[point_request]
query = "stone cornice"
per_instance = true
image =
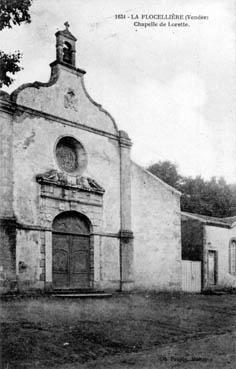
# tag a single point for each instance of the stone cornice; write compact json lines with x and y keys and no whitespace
{"x":68,"y":67}
{"x":126,"y":234}
{"x":124,"y":139}
{"x":66,"y":33}
{"x":8,"y":221}
{"x":35,"y":227}
{"x":13,"y":108}
{"x":125,"y":143}
{"x":53,"y":79}
{"x":20,"y":109}
{"x":6,"y":106}
{"x":123,"y":234}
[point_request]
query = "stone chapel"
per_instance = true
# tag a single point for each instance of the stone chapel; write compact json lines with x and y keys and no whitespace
{"x":76,"y":212}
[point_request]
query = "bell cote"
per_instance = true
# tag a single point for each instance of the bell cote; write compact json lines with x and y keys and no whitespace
{"x":65,"y":46}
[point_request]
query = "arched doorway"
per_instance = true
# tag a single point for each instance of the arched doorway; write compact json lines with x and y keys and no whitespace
{"x":71,"y":251}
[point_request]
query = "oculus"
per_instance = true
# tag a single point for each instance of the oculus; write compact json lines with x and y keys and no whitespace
{"x":71,"y":156}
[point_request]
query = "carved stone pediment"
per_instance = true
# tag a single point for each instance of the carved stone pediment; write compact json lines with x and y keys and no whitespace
{"x":60,"y":179}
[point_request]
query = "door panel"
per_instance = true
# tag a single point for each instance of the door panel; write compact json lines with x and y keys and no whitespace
{"x":79,"y":265}
{"x":60,"y":260}
{"x":191,"y":276}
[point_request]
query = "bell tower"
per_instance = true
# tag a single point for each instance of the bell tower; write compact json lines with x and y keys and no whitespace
{"x":65,"y":47}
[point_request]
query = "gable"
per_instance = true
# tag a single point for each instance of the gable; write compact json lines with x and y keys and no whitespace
{"x":65,"y":96}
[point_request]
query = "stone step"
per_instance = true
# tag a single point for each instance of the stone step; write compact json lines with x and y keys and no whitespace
{"x":81,"y":295}
{"x":73,"y":291}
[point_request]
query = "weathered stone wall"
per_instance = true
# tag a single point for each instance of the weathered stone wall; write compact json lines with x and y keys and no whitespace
{"x":109,"y":263}
{"x":7,"y":230}
{"x":217,"y":238}
{"x":28,"y":259}
{"x":6,"y":184}
{"x":35,"y":138}
{"x":157,"y":235}
{"x":34,"y":144}
{"x":7,"y":255}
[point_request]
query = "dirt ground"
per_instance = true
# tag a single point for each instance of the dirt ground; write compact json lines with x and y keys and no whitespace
{"x":129,"y":330}
{"x":213,"y":352}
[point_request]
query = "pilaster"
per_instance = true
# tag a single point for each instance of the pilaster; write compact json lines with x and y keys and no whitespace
{"x":126,"y":234}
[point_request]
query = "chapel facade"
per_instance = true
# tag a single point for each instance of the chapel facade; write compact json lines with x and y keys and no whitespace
{"x":76,"y":211}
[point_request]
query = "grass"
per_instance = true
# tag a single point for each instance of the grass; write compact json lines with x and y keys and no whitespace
{"x":47,"y":332}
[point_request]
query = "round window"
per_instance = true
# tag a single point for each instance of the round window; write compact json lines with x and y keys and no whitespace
{"x":71,"y":156}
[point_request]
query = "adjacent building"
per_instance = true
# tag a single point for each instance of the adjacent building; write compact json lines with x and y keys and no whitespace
{"x":212,"y":241}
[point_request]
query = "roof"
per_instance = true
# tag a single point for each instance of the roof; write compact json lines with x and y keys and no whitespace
{"x":66,"y":33}
{"x":157,"y":179}
{"x":230,"y":220}
{"x":227,"y":222}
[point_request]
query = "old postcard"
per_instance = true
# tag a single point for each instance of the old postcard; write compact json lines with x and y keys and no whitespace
{"x":118,"y":184}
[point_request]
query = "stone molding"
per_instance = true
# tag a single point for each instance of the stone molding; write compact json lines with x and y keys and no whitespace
{"x":30,"y":227}
{"x":124,"y":139}
{"x":70,"y":68}
{"x":66,"y":33}
{"x":71,"y":200}
{"x":8,"y":221}
{"x":36,"y":227}
{"x":9,"y":106}
{"x":126,"y":235}
{"x":53,"y":79}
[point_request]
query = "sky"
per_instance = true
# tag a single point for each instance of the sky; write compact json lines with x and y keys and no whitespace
{"x":173,"y":89}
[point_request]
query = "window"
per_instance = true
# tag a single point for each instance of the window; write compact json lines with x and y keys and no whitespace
{"x":67,"y":157}
{"x":67,"y":53}
{"x":232,"y":257}
{"x":71,"y":156}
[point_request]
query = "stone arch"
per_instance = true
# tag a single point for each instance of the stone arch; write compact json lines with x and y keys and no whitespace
{"x":79,"y":221}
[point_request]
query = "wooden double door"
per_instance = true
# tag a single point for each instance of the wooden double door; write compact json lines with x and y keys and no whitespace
{"x":70,"y":252}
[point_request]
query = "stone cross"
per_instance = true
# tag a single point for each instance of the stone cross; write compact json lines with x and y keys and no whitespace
{"x":66,"y":24}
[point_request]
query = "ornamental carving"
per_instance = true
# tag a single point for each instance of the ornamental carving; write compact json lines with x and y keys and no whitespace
{"x":52,"y":176}
{"x":57,"y":178}
{"x":71,"y":100}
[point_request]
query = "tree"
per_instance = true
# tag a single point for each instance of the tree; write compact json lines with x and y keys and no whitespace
{"x":213,"y":197}
{"x":233,"y":192}
{"x":12,"y":12}
{"x":166,"y":171}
